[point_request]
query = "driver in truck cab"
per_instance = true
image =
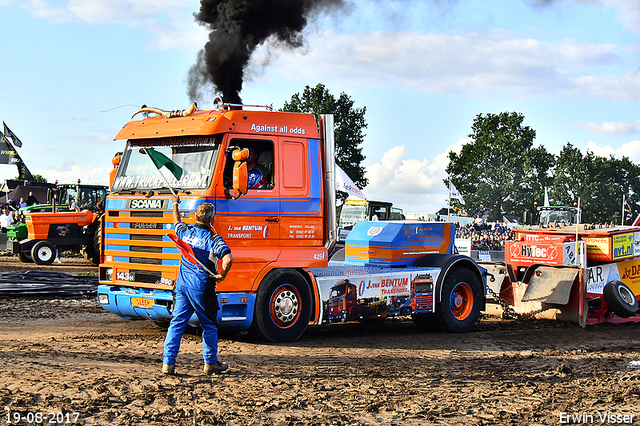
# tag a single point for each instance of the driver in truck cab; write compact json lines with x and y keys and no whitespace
{"x":195,"y":290}
{"x":258,"y":175}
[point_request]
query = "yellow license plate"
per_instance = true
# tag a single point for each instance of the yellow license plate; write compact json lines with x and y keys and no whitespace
{"x":139,"y":302}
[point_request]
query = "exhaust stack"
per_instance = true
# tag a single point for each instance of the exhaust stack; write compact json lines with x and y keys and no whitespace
{"x":327,"y":136}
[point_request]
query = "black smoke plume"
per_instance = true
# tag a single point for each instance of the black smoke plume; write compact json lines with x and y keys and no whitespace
{"x":238,"y":27}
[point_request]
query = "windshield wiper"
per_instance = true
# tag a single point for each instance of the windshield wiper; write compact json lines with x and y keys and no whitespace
{"x":129,"y":191}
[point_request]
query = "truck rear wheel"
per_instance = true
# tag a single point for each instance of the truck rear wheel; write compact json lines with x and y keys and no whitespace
{"x":283,"y":307}
{"x":43,"y":253}
{"x":620,"y":299}
{"x":461,"y":301}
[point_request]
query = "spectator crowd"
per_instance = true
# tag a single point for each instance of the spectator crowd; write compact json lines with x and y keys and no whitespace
{"x":10,"y":212}
{"x":485,"y":236}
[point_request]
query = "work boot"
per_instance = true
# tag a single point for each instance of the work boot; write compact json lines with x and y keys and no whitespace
{"x":169,"y":369}
{"x":217,"y":367}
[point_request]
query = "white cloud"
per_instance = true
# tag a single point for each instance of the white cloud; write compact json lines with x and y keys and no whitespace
{"x":170,"y":21}
{"x":42,"y":9}
{"x":177,"y":35}
{"x":414,"y":185}
{"x":623,"y":87}
{"x":103,"y":11}
{"x":71,"y":172}
{"x":614,"y":128}
{"x":121,"y":10}
{"x":462,"y":64}
{"x":629,"y":149}
{"x":628,"y":11}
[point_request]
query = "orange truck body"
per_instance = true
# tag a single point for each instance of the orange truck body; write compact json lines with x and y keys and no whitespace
{"x":280,"y":233}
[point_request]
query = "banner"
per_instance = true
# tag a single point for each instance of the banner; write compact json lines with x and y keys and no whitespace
{"x":345,"y":184}
{"x":455,"y":193}
{"x":628,"y":215}
{"x":546,"y":197}
{"x":159,"y":159}
{"x":8,"y":134}
{"x":8,"y":155}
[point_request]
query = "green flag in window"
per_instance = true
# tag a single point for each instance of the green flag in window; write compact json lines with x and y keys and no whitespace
{"x":159,"y":159}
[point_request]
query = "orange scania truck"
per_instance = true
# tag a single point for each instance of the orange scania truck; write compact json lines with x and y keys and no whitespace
{"x":281,"y":233}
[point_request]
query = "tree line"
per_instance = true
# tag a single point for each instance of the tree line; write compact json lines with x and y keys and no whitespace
{"x":501,"y":172}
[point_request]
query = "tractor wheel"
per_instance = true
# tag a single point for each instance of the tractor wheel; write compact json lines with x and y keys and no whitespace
{"x":91,"y":251}
{"x":620,"y":299}
{"x":43,"y":253}
{"x":461,"y":301}
{"x":25,"y":257}
{"x":283,"y":307}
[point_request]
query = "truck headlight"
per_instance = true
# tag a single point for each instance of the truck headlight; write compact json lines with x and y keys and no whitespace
{"x":103,"y":299}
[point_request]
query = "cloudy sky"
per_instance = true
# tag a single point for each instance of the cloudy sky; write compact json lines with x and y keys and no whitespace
{"x":74,"y":71}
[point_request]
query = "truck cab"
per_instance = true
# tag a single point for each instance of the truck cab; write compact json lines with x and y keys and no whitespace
{"x":558,"y":215}
{"x":355,"y":210}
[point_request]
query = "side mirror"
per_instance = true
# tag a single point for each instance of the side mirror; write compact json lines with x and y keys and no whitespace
{"x":240,"y":173}
{"x":116,"y":163}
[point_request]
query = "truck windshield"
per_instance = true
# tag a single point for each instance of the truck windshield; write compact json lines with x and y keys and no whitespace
{"x":396,"y":214}
{"x":338,"y":291}
{"x":557,"y":216}
{"x":195,"y":156}
{"x":351,"y":214}
{"x":68,"y":196}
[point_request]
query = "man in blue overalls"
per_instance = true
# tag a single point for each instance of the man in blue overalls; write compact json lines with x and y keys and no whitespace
{"x":195,"y":290}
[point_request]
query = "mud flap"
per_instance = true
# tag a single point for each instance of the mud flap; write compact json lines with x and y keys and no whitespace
{"x":550,"y":285}
{"x":496,"y":273}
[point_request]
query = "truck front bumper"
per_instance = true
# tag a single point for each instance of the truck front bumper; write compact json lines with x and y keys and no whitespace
{"x":236,"y":309}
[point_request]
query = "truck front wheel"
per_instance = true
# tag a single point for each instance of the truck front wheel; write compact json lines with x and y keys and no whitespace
{"x":461,"y":301}
{"x":283,"y":307}
{"x":43,"y":253}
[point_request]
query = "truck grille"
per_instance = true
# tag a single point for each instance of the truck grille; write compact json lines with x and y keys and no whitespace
{"x":138,"y":237}
{"x":145,"y":261}
{"x":149,"y":277}
{"x":422,"y":302}
{"x":146,"y":213}
{"x":145,"y":249}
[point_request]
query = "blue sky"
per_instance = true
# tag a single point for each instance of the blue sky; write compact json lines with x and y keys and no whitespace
{"x":74,"y":71}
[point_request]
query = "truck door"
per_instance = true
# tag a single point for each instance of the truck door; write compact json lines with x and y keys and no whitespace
{"x":255,"y":215}
{"x":301,"y":208}
{"x":249,"y":224}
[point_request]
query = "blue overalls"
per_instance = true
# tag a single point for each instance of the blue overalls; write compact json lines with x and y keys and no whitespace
{"x":194,"y":291}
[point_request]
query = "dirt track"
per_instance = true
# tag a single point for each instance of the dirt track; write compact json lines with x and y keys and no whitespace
{"x":70,"y":356}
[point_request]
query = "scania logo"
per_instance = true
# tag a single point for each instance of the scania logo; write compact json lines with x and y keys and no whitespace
{"x":145,"y":203}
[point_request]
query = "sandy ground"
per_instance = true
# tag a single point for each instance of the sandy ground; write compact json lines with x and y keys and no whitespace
{"x":69,"y":360}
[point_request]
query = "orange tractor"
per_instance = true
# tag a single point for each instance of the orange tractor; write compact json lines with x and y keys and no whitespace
{"x":76,"y":230}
